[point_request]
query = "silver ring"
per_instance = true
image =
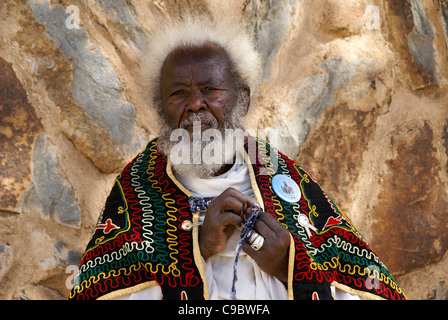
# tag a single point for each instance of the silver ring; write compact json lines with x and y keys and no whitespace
{"x":257,"y":243}
{"x":252,"y":236}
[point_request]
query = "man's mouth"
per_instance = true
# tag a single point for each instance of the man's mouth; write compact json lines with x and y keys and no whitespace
{"x":197,"y":126}
{"x":200,"y":122}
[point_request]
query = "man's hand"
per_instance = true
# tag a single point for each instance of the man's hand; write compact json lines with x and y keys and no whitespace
{"x":225,"y":213}
{"x":273,"y":256}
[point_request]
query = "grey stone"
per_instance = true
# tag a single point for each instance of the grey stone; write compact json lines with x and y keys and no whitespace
{"x":6,"y":255}
{"x":314,"y":94}
{"x":269,"y":20}
{"x":420,"y":41}
{"x":123,"y":14}
{"x":445,"y":140}
{"x":444,"y":9}
{"x":96,"y":87}
{"x":106,"y":121}
{"x":49,"y":193}
{"x":66,"y":256}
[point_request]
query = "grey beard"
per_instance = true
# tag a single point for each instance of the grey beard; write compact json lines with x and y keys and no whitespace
{"x":199,"y":160}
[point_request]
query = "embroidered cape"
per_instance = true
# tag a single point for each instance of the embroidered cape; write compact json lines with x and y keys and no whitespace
{"x":139,"y":240}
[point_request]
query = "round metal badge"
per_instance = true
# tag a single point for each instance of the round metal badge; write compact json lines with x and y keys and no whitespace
{"x":286,"y":188}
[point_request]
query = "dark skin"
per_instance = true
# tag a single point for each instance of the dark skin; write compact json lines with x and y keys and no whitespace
{"x":200,"y":80}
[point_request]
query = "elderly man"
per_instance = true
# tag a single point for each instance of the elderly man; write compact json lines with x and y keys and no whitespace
{"x":249,"y":223}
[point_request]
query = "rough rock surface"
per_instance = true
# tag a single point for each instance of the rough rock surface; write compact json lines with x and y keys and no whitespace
{"x":355,"y":90}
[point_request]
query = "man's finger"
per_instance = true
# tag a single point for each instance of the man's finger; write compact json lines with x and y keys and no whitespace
{"x":271,"y":222}
{"x":244,"y":199}
{"x":264,"y":229}
{"x":229,"y":218}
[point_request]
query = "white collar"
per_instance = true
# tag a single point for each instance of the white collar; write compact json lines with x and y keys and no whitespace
{"x":237,"y":177}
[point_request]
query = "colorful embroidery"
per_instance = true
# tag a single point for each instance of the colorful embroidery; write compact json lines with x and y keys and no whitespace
{"x":139,"y":235}
{"x":148,"y":243}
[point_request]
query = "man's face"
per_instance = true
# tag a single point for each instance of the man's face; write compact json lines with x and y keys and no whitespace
{"x":197,"y":80}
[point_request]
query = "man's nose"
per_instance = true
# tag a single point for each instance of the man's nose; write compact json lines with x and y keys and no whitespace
{"x":196,"y":102}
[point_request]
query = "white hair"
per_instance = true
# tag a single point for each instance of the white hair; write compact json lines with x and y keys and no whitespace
{"x":195,"y":31}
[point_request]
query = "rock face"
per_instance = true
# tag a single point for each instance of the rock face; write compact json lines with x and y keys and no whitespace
{"x":356,"y":91}
{"x":19,"y":127}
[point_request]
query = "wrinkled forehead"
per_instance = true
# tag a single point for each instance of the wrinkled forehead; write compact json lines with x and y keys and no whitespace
{"x":208,"y":56}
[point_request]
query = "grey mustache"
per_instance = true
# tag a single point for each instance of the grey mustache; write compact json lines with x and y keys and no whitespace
{"x":202,"y":117}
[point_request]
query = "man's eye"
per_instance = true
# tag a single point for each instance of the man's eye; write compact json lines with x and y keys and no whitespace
{"x":210,"y":89}
{"x":177,"y":93}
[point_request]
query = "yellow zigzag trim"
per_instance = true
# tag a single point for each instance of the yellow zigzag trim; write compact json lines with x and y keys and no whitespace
{"x":172,"y":239}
